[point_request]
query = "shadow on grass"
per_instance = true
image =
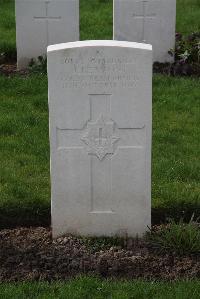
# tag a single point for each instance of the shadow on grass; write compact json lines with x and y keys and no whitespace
{"x":40,"y":215}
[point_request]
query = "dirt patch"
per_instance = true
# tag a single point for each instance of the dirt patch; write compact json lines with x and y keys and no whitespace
{"x":30,"y":254}
{"x":174,"y":69}
{"x":11,"y":69}
{"x":177,"y":69}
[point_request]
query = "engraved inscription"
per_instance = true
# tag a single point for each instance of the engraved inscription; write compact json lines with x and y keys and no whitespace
{"x":98,"y":71}
{"x":100,"y":137}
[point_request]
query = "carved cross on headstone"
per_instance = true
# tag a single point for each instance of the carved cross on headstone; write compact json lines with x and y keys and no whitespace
{"x":47,"y":19}
{"x":99,"y":138}
{"x":144,"y":16}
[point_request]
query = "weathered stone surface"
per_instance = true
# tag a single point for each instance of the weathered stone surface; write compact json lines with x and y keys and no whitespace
{"x":148,"y":21}
{"x":100,"y":137}
{"x":40,"y":23}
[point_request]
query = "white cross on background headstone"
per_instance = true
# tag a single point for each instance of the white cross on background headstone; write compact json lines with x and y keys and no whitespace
{"x":144,"y":16}
{"x":47,"y":18}
{"x":147,"y":21}
{"x":102,"y":139}
{"x":40,"y":23}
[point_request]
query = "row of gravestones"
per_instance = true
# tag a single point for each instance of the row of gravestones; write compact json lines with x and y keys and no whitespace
{"x":100,"y":109}
{"x":40,"y":23}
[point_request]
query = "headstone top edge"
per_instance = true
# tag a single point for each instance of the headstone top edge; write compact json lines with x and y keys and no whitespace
{"x":100,"y":43}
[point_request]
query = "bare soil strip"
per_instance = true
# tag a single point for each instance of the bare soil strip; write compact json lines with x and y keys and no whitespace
{"x":28,"y":254}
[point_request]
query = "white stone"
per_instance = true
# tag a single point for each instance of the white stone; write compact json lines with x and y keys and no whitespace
{"x":40,"y":23}
{"x":149,"y":21}
{"x":100,"y":98}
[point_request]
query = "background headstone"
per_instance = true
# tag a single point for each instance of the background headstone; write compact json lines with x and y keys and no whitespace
{"x":40,"y":23}
{"x":148,"y":21}
{"x":100,"y":97}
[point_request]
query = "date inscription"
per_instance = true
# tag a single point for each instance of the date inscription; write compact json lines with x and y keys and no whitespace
{"x":98,"y":72}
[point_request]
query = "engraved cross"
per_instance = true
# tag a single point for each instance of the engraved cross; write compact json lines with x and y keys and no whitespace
{"x":99,"y":139}
{"x":144,"y":16}
{"x":47,"y":19}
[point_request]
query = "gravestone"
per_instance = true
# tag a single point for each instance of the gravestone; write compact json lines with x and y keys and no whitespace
{"x":40,"y":23}
{"x":147,"y":21}
{"x":100,"y":95}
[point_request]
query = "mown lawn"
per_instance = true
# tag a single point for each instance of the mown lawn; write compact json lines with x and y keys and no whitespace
{"x":93,"y":288}
{"x":24,"y":149}
{"x":96,"y":20}
{"x":7,"y":28}
{"x":188,"y":16}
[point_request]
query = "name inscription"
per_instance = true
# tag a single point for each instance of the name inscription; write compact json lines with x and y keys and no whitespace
{"x":98,"y":72}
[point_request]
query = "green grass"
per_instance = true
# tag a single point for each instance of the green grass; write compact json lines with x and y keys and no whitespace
{"x":94,"y":288}
{"x":24,"y":149}
{"x":176,"y":151}
{"x":95,"y":21}
{"x":24,"y":155}
{"x":188,"y":16}
{"x":179,"y":238}
{"x":7,"y":28}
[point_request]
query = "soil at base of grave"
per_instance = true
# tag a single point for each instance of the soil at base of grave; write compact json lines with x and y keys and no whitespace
{"x":28,"y":254}
{"x":174,"y":69}
{"x":11,"y":69}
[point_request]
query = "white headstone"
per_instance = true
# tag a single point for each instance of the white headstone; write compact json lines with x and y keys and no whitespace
{"x":148,"y":21}
{"x":40,"y":23}
{"x":100,"y":97}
